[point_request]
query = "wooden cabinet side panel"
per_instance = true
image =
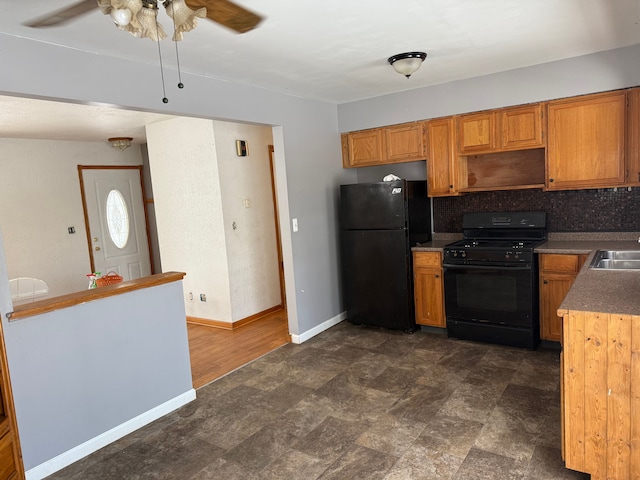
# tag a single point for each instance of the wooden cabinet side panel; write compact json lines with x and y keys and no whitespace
{"x":574,"y":390}
{"x":633,"y":137}
{"x":619,"y":397}
{"x":595,"y":393}
{"x":635,"y":399}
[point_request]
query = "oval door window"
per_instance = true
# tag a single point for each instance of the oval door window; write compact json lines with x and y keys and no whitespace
{"x":117,"y":218}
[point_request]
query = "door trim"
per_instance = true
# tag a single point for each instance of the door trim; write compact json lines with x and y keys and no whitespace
{"x":81,"y":168}
{"x":283,"y":294}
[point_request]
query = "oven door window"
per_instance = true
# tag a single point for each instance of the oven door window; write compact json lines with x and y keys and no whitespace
{"x":490,"y":294}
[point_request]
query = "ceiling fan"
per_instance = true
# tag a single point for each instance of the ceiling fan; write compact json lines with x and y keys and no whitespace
{"x":129,"y":14}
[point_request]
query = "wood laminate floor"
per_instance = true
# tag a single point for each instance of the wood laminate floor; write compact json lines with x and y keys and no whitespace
{"x":215,"y":352}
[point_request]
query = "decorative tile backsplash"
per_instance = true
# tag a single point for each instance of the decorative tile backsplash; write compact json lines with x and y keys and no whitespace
{"x":601,"y":210}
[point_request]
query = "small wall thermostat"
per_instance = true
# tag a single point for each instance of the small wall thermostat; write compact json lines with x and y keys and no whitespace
{"x":242,"y":149}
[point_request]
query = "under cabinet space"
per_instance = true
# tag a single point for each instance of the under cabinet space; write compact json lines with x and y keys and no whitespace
{"x":502,"y":171}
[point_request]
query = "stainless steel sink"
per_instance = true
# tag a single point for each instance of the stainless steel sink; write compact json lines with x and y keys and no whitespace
{"x":616,"y":260}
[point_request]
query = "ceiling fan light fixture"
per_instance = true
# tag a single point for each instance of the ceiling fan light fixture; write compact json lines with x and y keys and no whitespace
{"x":120,"y":142}
{"x":121,"y":16}
{"x":407,"y":63}
{"x":148,"y":19}
{"x":184,"y":18}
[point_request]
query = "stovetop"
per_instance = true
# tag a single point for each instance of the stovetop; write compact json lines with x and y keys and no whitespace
{"x":498,"y":239}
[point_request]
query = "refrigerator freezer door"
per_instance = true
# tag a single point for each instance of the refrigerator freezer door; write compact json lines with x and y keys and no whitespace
{"x":370,"y":206}
{"x":377,"y":278}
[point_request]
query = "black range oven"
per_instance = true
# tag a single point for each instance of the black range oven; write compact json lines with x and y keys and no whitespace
{"x":491,"y":279}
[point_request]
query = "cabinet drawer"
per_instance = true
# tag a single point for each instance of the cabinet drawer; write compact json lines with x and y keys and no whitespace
{"x":427,"y":259}
{"x":560,"y":263}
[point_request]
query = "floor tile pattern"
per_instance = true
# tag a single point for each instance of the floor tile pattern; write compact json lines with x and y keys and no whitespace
{"x":358,"y":403}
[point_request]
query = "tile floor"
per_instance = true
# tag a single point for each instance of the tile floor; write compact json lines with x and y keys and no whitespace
{"x":358,"y":403}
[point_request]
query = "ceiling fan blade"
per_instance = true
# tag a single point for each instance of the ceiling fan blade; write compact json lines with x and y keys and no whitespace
{"x":63,"y":15}
{"x":228,"y":14}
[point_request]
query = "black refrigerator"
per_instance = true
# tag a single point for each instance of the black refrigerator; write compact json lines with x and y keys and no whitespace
{"x":380,"y":222}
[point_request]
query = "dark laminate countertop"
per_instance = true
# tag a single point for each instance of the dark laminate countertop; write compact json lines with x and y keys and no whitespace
{"x":593,"y":290}
{"x":596,"y":290}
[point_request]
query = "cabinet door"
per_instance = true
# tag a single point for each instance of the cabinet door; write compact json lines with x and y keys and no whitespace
{"x":557,"y":274}
{"x":553,"y":289}
{"x":633,"y":140}
{"x":441,"y":168}
{"x":363,"y":148}
{"x":476,"y":133}
{"x":586,"y":143}
{"x":521,"y":127}
{"x":428,"y":287}
{"x":404,"y":143}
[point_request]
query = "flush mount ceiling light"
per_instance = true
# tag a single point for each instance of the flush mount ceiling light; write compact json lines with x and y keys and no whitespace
{"x":120,"y":142}
{"x":407,"y":63}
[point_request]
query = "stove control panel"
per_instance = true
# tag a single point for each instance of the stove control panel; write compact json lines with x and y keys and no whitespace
{"x":461,"y":256}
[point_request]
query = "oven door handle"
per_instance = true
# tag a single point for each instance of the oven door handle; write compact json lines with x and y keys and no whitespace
{"x":486,"y":267}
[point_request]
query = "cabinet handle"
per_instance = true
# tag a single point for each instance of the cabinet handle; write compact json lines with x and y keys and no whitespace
{"x":551,"y":180}
{"x":545,"y":281}
{"x":437,"y":276}
{"x":451,"y":186}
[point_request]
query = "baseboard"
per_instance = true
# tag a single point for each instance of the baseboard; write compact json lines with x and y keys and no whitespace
{"x":237,"y":324}
{"x":318,"y":329}
{"x":76,"y":453}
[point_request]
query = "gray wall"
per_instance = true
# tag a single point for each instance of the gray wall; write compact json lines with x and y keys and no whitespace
{"x":576,"y":76}
{"x":82,"y":371}
{"x":306,"y":139}
{"x":308,"y":153}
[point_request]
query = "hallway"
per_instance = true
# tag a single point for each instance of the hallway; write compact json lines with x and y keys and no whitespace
{"x":215,"y":352}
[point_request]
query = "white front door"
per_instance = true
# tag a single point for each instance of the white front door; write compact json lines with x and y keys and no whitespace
{"x":116,"y":222}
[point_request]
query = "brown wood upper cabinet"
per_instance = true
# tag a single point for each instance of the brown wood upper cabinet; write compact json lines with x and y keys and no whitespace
{"x":377,"y":146}
{"x":505,"y":129}
{"x":586,"y":142}
{"x":441,"y":168}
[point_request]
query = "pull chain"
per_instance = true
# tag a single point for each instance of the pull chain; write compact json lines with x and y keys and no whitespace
{"x":175,"y":41}
{"x":164,"y":93}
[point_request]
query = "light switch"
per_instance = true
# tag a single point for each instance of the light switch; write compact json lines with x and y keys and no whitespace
{"x":294,"y":224}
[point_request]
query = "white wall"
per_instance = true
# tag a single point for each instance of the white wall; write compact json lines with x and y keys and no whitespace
{"x":251,"y":247}
{"x":189,"y":216}
{"x":201,"y":186}
{"x":40,"y":199}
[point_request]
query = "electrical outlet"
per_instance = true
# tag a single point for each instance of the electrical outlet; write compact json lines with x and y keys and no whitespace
{"x":203,"y":297}
{"x":190,"y":295}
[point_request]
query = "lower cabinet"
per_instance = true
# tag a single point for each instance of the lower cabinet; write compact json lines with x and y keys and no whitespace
{"x":557,"y":273}
{"x":428,"y":288}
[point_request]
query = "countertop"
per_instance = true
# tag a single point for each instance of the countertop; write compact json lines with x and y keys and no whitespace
{"x":594,"y":290}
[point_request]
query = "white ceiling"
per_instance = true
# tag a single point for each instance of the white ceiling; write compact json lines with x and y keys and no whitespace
{"x":331,"y":50}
